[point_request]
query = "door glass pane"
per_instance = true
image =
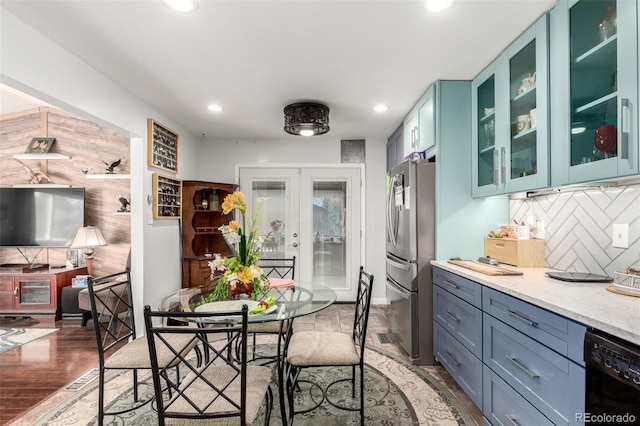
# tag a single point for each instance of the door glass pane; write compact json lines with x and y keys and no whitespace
{"x":522,"y":69}
{"x":329,"y":226}
{"x":486,"y":131}
{"x":270,"y":197}
{"x":594,"y":58}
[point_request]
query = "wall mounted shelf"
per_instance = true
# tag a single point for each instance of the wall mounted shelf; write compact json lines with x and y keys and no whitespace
{"x":41,"y":156}
{"x":108,"y":176}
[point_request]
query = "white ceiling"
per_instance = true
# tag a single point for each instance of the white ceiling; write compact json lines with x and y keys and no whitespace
{"x":255,"y":57}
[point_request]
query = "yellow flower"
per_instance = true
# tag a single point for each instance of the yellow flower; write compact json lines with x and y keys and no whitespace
{"x":234,"y":225}
{"x":234,"y":201}
{"x":245,"y":275}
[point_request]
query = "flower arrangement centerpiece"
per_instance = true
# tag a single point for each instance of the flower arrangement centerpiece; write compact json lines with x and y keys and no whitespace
{"x":239,"y":274}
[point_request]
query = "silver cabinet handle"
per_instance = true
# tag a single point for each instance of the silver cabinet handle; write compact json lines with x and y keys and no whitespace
{"x":452,"y":358}
{"x":522,"y":367}
{"x":512,"y":420}
{"x":503,"y":166}
{"x":496,"y":165}
{"x":450,"y":284}
{"x":521,"y":318}
{"x":624,"y":136}
{"x":453,"y":317}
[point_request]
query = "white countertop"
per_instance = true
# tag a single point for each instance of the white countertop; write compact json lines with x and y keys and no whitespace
{"x":588,"y":303}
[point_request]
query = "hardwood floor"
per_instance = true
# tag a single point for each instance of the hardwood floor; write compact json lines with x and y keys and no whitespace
{"x":32,"y":372}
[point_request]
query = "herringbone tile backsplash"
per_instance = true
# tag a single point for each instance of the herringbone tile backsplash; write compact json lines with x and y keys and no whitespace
{"x":579,"y":227}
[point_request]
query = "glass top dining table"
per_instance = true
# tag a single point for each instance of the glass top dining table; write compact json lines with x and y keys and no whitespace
{"x":303,"y":298}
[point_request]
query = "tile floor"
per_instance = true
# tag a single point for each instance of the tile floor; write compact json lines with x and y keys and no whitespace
{"x":339,"y":316}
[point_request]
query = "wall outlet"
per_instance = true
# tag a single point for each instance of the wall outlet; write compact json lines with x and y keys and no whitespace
{"x":620,"y":235}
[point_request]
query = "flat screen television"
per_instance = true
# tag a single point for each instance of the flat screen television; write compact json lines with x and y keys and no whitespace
{"x":40,"y":217}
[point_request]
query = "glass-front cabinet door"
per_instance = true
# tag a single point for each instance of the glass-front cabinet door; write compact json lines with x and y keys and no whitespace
{"x":485,"y":155}
{"x":597,"y":57}
{"x":510,"y":112}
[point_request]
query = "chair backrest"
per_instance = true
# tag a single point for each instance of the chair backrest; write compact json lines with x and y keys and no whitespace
{"x":282,"y":268}
{"x":209,"y":388}
{"x":363,"y":303}
{"x":112,"y":311}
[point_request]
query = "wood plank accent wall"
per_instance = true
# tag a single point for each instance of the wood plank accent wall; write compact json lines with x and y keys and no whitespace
{"x":88,"y":145}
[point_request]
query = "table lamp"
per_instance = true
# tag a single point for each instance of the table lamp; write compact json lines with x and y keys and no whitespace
{"x":88,"y":237}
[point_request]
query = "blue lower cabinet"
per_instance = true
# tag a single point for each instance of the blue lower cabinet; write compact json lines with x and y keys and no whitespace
{"x":554,"y":384}
{"x":504,"y":406}
{"x":461,"y":319}
{"x":463,"y":366}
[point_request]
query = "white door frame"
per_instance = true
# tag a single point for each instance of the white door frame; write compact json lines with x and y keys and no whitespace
{"x":359,"y":166}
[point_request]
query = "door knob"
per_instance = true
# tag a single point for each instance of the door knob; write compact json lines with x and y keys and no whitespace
{"x":295,"y":244}
{"x":295,"y":235}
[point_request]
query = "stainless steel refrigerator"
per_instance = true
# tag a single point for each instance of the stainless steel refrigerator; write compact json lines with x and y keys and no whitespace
{"x":410,"y":248}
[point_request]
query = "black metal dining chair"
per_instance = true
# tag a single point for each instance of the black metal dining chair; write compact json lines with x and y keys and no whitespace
{"x":119,"y":347}
{"x":220,"y":391}
{"x":273,"y":268}
{"x":331,"y":348}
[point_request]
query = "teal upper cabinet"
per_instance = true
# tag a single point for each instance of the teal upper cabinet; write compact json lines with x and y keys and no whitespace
{"x":595,"y":90}
{"x":510,"y":110}
{"x":419,"y":125}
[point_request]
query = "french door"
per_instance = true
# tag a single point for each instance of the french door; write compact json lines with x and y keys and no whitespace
{"x":314,"y":214}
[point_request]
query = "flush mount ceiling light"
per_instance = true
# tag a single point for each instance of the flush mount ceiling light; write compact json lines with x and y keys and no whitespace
{"x":438,"y":5}
{"x":182,"y":5}
{"x":306,"y":119}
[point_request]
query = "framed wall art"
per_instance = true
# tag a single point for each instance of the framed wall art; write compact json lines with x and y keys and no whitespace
{"x":162,"y":147}
{"x":167,"y":197}
{"x":39,"y":145}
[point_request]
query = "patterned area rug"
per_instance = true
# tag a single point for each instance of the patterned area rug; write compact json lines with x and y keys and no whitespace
{"x":396,"y":394}
{"x":13,"y":337}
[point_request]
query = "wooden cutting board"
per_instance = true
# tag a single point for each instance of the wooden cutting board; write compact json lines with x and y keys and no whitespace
{"x":484,"y":268}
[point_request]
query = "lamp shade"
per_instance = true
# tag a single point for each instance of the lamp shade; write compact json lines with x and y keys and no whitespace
{"x":88,"y":237}
{"x":306,"y":119}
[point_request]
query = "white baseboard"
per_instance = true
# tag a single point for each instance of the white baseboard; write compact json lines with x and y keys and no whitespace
{"x":382,"y":301}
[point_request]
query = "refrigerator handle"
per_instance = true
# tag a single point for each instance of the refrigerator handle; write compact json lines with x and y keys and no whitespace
{"x":403,"y":266}
{"x":391,"y":222}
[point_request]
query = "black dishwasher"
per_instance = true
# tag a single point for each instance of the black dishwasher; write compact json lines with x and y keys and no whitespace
{"x":613,"y":380}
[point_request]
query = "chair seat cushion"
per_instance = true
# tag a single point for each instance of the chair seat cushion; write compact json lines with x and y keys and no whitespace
{"x":135,"y":354}
{"x":265,"y":327}
{"x":319,"y":348}
{"x":258,"y":379}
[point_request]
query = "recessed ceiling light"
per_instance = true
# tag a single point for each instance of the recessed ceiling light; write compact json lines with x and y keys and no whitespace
{"x":380,"y":108}
{"x":214,"y":108}
{"x":438,"y":5}
{"x":182,"y":5}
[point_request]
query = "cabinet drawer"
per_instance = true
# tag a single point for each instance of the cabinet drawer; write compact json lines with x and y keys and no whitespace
{"x":550,"y":381}
{"x":504,"y":406}
{"x":555,"y":331}
{"x":463,"y":366}
{"x":465,"y":289}
{"x":462,"y":320}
